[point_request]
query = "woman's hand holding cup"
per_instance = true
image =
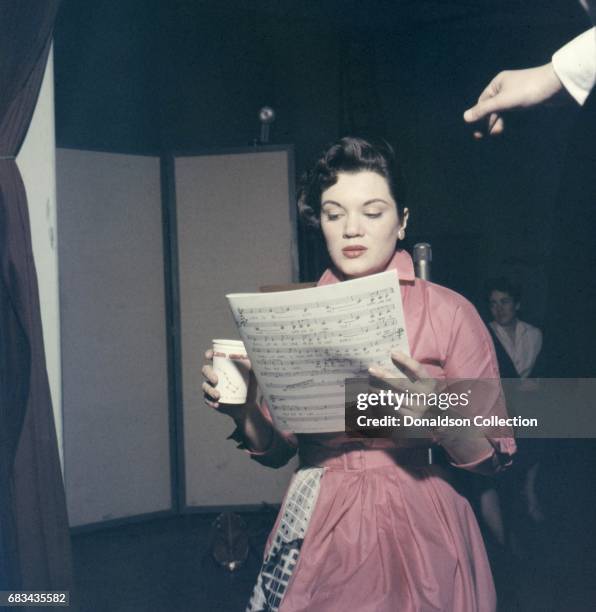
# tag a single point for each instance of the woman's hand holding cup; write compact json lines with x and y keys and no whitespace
{"x":230,"y":385}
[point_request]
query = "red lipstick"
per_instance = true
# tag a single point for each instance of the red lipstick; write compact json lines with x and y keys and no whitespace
{"x":354,"y":250}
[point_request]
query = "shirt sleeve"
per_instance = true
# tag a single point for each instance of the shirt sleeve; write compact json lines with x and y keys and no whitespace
{"x":471,"y":355}
{"x":282,"y":448}
{"x":538,"y":341}
{"x":575,"y":65}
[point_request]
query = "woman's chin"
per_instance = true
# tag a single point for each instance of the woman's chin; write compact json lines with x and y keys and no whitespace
{"x":353,"y":269}
{"x":361,"y":266}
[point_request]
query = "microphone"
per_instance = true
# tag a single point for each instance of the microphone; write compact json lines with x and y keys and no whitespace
{"x":266,"y":117}
{"x":423,"y":256}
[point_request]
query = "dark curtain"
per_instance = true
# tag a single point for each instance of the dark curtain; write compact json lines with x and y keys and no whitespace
{"x":34,"y":538}
{"x":360,"y":113}
{"x":568,"y":467}
{"x":570,"y":328}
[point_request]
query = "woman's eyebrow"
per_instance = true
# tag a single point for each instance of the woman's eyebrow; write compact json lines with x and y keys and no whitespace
{"x":375,"y":201}
{"x":367,"y":203}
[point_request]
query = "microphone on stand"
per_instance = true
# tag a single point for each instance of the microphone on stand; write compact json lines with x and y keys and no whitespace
{"x":266,"y":117}
{"x":423,"y":257}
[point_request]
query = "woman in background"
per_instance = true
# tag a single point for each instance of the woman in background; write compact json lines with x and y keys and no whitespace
{"x":369,"y":524}
{"x":521,"y":341}
{"x":518,"y":348}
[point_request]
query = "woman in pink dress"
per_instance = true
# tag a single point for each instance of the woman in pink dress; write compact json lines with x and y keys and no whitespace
{"x":369,"y":525}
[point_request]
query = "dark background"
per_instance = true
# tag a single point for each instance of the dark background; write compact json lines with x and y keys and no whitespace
{"x":154,"y":75}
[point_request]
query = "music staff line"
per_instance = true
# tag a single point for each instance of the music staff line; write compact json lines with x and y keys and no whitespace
{"x":322,"y":321}
{"x":306,"y":396}
{"x":296,"y":410}
{"x":385,"y":328}
{"x":336,"y":373}
{"x":312,"y":417}
{"x":355,"y":300}
{"x":319,"y":362}
{"x":319,"y":352}
{"x":288,"y":388}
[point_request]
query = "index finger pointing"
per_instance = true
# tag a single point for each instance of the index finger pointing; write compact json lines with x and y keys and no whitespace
{"x":481,"y":110}
{"x":488,"y":102}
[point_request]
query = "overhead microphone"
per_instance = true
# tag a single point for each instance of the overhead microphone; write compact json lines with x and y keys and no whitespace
{"x":423,"y":257}
{"x":266,"y":117}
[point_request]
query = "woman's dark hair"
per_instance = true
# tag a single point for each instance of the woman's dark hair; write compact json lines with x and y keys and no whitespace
{"x":504,"y":285}
{"x":349,"y":154}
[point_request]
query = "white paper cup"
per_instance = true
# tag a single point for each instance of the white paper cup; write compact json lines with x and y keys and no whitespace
{"x":232,"y":374}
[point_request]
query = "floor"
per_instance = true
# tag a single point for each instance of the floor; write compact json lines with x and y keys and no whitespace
{"x":165,"y":565}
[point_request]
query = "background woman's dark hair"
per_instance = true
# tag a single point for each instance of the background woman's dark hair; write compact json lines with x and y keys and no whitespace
{"x":504,"y":285}
{"x":349,"y":154}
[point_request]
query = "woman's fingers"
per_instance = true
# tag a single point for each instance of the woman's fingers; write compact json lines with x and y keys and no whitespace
{"x":380,"y":379}
{"x":212,"y":392}
{"x":383,"y":375}
{"x":414,"y":371}
{"x":408,"y":365}
{"x":209,"y":374}
{"x":211,"y":395}
{"x":377,"y":376}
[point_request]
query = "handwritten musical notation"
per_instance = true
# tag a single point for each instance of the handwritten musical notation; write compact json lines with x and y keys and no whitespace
{"x":303,"y":345}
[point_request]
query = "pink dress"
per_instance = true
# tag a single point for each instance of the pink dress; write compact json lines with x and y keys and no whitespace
{"x":387,"y":537}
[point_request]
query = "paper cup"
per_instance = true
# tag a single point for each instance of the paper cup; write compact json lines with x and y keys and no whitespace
{"x":232,"y":374}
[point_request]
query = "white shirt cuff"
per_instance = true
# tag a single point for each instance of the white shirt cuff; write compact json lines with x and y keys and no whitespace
{"x":575,"y":65}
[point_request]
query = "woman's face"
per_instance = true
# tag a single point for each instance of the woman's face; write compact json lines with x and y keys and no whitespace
{"x":360,"y":223}
{"x":503,"y":308}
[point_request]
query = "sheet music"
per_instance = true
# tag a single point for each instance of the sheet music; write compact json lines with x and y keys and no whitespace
{"x":303,"y":344}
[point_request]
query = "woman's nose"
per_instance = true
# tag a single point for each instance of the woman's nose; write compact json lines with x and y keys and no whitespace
{"x":352,"y":226}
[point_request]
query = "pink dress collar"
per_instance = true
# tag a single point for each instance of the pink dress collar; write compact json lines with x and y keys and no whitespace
{"x":401,"y":261}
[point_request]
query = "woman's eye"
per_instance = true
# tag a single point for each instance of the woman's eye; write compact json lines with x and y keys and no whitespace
{"x":332,"y":216}
{"x":373,"y":215}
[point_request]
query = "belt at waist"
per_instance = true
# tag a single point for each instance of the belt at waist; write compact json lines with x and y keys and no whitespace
{"x":356,"y":457}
